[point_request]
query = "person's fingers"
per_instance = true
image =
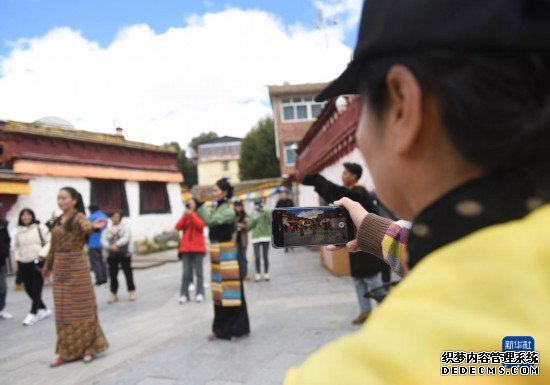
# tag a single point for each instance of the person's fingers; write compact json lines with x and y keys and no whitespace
{"x":356,"y":211}
{"x":333,"y":247}
{"x":343,"y":202}
{"x":352,"y":246}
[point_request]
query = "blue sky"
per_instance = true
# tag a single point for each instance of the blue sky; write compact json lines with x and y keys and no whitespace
{"x":100,"y":20}
{"x":165,"y":70}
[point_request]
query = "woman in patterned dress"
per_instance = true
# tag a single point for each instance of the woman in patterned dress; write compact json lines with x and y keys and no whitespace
{"x":230,"y":313}
{"x":79,"y":335}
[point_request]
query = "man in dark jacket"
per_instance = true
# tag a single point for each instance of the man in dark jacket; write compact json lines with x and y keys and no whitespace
{"x":284,"y":201}
{"x":4,"y":255}
{"x":365,"y":268}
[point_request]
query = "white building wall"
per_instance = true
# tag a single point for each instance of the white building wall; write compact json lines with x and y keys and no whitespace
{"x":308,"y":196}
{"x":43,"y":201}
{"x":149,"y":225}
{"x":43,"y":197}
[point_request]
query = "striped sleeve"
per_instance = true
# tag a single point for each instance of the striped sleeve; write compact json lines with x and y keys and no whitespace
{"x":386,"y":239}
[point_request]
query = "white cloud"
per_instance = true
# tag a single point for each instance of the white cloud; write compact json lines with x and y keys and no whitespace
{"x":209,"y":74}
{"x":310,"y":213}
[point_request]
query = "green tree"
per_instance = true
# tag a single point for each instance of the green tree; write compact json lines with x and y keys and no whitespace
{"x":258,"y":158}
{"x":203,"y":137}
{"x":186,"y":165}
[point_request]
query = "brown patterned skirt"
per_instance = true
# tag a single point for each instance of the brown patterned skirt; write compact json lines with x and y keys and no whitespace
{"x":78,"y":329}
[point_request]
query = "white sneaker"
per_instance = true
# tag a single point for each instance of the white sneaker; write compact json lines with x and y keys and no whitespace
{"x":183,"y":299}
{"x":199,"y":298}
{"x":5,"y":315}
{"x":267,"y":277}
{"x":191,"y":286}
{"x":43,"y":313}
{"x":257,"y":278}
{"x":30,"y":320}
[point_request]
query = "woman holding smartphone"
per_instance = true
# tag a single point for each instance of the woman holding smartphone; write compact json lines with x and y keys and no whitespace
{"x":79,"y":335}
{"x":230,"y":313}
{"x":191,"y":250}
{"x":455,"y":128}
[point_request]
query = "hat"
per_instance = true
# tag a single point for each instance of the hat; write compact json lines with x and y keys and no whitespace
{"x":392,"y":27}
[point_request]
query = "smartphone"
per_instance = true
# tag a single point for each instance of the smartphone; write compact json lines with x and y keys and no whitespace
{"x":311,"y":226}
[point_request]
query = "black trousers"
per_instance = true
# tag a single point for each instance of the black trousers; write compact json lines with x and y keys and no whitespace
{"x":116,"y":261}
{"x":33,"y":282}
{"x":265,"y":248}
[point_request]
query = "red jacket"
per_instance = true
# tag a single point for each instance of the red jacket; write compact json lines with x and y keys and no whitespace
{"x":192,"y":240}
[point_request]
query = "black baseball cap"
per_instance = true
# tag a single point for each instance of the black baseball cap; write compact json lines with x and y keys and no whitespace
{"x":393,"y":27}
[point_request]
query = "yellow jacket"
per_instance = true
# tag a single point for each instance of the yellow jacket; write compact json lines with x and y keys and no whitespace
{"x":466,"y":296}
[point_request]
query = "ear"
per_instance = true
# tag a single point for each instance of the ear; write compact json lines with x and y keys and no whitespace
{"x":404,"y":111}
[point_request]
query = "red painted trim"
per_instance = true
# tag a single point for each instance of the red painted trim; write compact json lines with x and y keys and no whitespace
{"x":21,"y":146}
{"x":331,"y":137}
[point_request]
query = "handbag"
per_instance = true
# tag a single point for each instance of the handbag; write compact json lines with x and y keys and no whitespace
{"x":39,"y":263}
{"x":42,"y":240}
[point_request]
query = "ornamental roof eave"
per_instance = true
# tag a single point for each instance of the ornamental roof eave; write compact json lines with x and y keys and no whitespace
{"x":80,"y":135}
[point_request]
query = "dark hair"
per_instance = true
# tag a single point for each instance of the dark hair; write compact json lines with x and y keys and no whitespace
{"x":495,"y":106}
{"x":120,"y":213}
{"x":31,"y":213}
{"x":79,"y":207}
{"x":355,"y":169}
{"x":197,"y":203}
{"x":224,"y":185}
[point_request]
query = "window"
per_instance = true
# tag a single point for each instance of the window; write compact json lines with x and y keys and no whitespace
{"x":290,"y":153}
{"x":316,"y":110}
{"x":288,"y":113}
{"x":153,"y":198}
{"x":110,"y":195}
{"x":225,"y":164}
{"x":300,"y":108}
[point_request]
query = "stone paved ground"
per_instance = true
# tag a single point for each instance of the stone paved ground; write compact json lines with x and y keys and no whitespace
{"x":156,"y":341}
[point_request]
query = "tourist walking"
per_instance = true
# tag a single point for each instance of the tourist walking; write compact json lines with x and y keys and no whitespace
{"x":191,"y":250}
{"x":241,"y":237}
{"x":79,"y":335}
{"x":95,"y":250}
{"x":116,"y":241}
{"x":31,"y":243}
{"x":4,"y":257}
{"x":260,"y":227}
{"x":230,"y":313}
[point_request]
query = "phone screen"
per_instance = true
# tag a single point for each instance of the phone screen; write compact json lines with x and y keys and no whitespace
{"x":311,"y":226}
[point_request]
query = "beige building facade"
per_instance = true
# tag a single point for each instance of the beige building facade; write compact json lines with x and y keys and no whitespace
{"x":219,"y":158}
{"x":294,"y":110}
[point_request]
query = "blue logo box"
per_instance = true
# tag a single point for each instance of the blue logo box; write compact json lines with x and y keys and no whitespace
{"x":518,"y":344}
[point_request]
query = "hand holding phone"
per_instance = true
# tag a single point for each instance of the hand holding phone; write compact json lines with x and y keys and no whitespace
{"x":311,"y":226}
{"x":357,"y":214}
